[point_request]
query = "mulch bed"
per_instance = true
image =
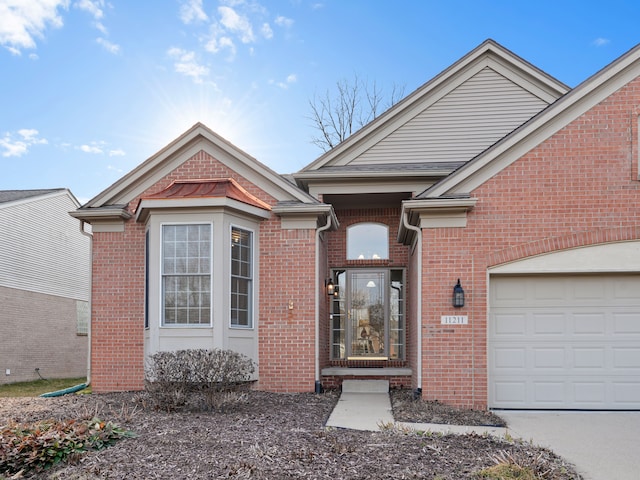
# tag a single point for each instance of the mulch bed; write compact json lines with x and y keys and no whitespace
{"x":274,"y":436}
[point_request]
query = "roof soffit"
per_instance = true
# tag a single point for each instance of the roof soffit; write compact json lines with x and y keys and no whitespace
{"x":489,"y":54}
{"x":541,"y":127}
{"x":198,"y":138}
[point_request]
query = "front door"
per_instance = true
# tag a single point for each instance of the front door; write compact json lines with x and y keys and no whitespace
{"x":367,"y":306}
{"x":368,"y":315}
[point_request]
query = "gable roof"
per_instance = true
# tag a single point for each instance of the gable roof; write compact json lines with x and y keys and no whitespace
{"x":489,"y":81}
{"x":539,"y":128}
{"x":197,"y":138}
{"x":7,"y":196}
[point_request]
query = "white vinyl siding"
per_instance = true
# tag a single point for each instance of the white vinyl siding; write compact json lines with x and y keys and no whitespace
{"x":42,"y":249}
{"x":460,"y":125}
{"x":558,"y":342}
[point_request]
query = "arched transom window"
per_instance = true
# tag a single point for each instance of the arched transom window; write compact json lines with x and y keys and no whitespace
{"x":368,"y":241}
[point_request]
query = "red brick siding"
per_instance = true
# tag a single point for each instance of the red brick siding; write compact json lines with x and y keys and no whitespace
{"x":286,"y":337}
{"x":287,"y":262}
{"x":577,"y":188}
{"x":117,"y":342}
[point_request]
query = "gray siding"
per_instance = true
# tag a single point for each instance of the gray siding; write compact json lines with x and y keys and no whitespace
{"x":463,"y":123}
{"x":42,"y":249}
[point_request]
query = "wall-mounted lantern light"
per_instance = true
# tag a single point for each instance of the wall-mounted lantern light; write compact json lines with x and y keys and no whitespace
{"x":458,"y":295}
{"x":331,"y":288}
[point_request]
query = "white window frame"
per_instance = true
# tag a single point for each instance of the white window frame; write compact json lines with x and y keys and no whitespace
{"x":251,"y":306}
{"x":162,"y":322}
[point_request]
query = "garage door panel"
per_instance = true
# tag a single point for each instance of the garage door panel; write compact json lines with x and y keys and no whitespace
{"x":627,"y":358}
{"x":509,"y":324}
{"x":578,"y":351}
{"x":510,"y":360}
{"x":626,"y":324}
{"x":626,"y":393}
{"x":548,"y":358}
{"x":548,"y":323}
{"x":588,"y":358}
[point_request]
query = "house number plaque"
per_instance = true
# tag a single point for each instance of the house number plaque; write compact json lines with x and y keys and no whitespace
{"x":454,"y":320}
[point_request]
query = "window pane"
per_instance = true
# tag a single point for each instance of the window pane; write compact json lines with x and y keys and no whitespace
{"x":241,"y":277}
{"x":368,"y":241}
{"x":186,"y":268}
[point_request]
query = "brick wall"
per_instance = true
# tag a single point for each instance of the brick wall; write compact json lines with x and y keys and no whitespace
{"x":287,"y":262}
{"x":577,"y":188}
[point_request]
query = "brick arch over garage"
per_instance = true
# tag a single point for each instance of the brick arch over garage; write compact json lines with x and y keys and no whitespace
{"x":575,"y":240}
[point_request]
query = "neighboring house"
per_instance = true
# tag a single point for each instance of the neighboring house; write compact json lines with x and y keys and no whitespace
{"x":44,"y":286}
{"x":492,"y":173}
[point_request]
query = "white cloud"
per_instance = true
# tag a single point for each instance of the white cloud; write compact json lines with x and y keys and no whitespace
{"x":236,"y":23}
{"x":266,"y":31}
{"x":291,"y":79}
{"x":600,"y":42}
{"x":114,"y":169}
{"x":108,"y":46}
{"x":185,"y":63}
{"x":283,"y":21}
{"x":118,"y":152}
{"x":23,"y":21}
{"x":93,"y":148}
{"x":191,"y":11}
{"x":218,"y":41}
{"x":94,"y":8}
{"x":16,"y":147}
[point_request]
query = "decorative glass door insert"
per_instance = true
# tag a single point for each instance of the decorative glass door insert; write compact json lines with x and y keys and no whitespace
{"x":367,"y":316}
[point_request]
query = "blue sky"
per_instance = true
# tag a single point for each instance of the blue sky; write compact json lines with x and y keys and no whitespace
{"x":91,"y":88}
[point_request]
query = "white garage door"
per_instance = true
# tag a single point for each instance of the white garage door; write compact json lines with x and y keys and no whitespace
{"x":564,"y":342}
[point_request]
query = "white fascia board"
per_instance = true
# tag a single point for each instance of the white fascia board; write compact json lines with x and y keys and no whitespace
{"x":88,"y":214}
{"x":179,"y":151}
{"x":434,"y":213}
{"x":299,"y":212}
{"x":147,"y":205}
{"x":541,"y":127}
{"x":368,"y":187}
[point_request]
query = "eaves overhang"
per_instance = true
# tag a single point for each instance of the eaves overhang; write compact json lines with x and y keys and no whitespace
{"x":106,"y":213}
{"x":294,"y":212}
{"x":443,"y":212}
{"x":146,"y":206}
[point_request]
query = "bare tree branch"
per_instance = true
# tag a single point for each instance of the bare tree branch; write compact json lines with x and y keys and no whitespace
{"x":354,"y":104}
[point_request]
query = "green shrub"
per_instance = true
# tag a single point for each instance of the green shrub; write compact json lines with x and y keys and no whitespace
{"x":212,"y":379}
{"x":41,"y":445}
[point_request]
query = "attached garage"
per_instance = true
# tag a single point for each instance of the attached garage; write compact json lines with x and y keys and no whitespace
{"x":564,"y":341}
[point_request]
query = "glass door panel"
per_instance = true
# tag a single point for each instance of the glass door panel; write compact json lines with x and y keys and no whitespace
{"x":368,"y":310}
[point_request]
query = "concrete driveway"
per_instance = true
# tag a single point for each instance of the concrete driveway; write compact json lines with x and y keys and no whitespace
{"x":602,"y":445}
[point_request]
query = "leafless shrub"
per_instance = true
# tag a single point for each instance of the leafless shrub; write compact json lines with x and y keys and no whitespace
{"x":214,"y":379}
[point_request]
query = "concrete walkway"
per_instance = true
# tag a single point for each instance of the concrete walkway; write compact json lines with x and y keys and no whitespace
{"x":365,"y":405}
{"x":601,"y":445}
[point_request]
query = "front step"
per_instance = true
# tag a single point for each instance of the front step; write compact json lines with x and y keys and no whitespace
{"x":365,"y":386}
